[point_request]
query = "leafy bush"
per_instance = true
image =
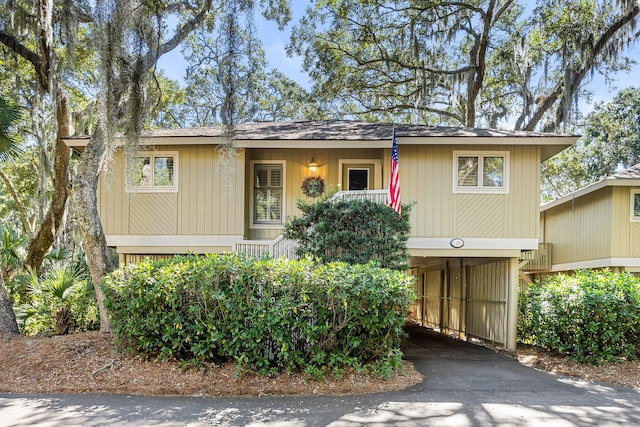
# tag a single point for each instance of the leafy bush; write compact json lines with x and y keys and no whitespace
{"x":591,"y":316}
{"x":62,"y":301}
{"x":268,"y":315}
{"x":353,"y":231}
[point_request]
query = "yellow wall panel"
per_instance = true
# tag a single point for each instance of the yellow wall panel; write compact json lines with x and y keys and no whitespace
{"x":581,"y":229}
{"x":153,"y":213}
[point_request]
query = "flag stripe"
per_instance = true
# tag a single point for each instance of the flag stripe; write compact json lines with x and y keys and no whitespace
{"x":393,"y":197}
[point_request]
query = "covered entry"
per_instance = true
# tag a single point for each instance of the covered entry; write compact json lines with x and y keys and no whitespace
{"x":468,"y":297}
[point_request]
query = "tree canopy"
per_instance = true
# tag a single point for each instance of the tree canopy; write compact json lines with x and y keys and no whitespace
{"x":478,"y":63}
{"x":611,"y":141}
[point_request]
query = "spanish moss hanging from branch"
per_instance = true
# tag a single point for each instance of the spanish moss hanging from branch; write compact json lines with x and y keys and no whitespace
{"x":235,"y":76}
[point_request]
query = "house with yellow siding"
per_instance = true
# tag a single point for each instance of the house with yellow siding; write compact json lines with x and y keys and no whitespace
{"x":597,"y":226}
{"x":475,"y":194}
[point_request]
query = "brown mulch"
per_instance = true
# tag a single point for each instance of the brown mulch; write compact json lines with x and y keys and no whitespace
{"x":87,"y":363}
{"x":625,"y":373}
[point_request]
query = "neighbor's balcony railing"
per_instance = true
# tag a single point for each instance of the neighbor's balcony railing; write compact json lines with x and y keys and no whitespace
{"x":539,"y":260}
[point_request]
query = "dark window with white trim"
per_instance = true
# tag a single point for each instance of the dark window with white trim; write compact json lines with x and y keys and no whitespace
{"x":635,"y":205}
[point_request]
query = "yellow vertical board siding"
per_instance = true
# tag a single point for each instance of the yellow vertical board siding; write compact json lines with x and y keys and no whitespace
{"x":426,"y":173}
{"x":432,"y":298}
{"x":296,"y":170}
{"x":237,"y":199}
{"x":454,"y":300}
{"x":113,"y":201}
{"x":620,"y":221}
{"x":486,"y":304}
{"x":523,"y":205}
{"x":184,"y":186}
{"x":208,"y":199}
{"x":136,"y":258}
{"x":417,"y":307}
{"x":203,"y":205}
{"x":207,"y":166}
{"x":625,"y":233}
{"x":580,"y":230}
{"x":190,"y":168}
{"x":425,"y":182}
{"x":206,"y":206}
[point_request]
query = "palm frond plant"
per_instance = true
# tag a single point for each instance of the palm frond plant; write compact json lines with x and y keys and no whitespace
{"x":52,"y":296}
{"x":9,"y":115}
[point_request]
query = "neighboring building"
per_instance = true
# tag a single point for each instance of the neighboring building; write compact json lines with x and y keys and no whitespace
{"x":597,"y":226}
{"x":475,"y":195}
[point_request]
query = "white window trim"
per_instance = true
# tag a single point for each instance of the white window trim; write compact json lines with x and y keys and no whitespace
{"x":377,"y":170}
{"x":260,"y":225}
{"x":151,"y":154}
{"x":632,"y":217}
{"x":480,"y":189}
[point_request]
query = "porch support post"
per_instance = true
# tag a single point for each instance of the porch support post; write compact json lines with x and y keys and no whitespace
{"x":512,"y":304}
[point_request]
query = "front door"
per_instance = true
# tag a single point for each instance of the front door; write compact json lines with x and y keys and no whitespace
{"x":356,"y":176}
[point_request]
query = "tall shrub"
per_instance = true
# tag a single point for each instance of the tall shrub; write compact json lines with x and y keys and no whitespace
{"x":591,"y":315}
{"x":264,"y":314}
{"x":354,"y":231}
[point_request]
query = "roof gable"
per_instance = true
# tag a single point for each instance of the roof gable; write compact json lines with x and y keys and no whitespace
{"x":629,"y":177}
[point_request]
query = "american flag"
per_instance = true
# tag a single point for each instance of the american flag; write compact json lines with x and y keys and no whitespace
{"x":393,"y":197}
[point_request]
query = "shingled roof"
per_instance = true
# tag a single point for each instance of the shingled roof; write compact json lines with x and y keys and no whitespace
{"x":630,"y":173}
{"x":335,"y":130}
{"x":329,"y":134}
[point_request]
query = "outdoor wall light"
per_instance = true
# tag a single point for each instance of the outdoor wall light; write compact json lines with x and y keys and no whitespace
{"x":313,"y":167}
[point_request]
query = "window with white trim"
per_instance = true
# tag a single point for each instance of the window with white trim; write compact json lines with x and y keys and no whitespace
{"x":153,"y":172}
{"x":635,"y":205}
{"x":268,"y":193}
{"x":481,"y":172}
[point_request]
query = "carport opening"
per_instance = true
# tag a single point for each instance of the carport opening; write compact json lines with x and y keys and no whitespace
{"x":466,"y":298}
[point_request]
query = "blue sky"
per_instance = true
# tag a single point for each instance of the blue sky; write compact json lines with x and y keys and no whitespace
{"x":274,"y":42}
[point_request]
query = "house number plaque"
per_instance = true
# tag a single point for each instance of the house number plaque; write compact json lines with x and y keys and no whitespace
{"x":456,"y":243}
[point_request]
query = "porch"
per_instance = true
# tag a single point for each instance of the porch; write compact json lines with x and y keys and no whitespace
{"x":280,"y":246}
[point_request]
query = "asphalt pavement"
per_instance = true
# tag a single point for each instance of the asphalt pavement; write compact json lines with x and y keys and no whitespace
{"x":464,"y":385}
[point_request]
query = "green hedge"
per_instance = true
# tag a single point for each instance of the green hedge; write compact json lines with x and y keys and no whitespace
{"x":268,"y":315}
{"x":591,"y":316}
{"x":352,"y":231}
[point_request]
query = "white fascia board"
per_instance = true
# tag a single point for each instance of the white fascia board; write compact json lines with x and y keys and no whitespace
{"x":472,"y":243}
{"x":590,"y":189}
{"x":173,"y":240}
{"x":560,"y":141}
{"x":571,"y":196}
{"x":596,"y":263}
{"x":465,"y":253}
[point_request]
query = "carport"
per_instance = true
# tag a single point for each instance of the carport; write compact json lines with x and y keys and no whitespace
{"x":469,"y":298}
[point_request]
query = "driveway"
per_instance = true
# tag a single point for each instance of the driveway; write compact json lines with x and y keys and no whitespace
{"x":464,"y":385}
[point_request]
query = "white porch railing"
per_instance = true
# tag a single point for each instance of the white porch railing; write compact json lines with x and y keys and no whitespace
{"x":284,"y":247}
{"x":273,"y":248}
{"x":378,"y":196}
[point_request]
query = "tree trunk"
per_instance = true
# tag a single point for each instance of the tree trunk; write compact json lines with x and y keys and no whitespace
{"x":45,"y":236}
{"x":84,"y":198}
{"x":14,"y":195}
{"x":8,"y":324}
